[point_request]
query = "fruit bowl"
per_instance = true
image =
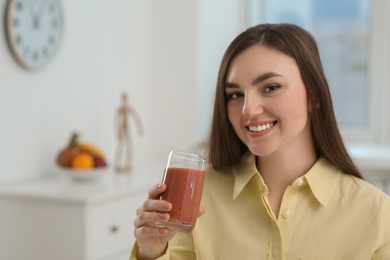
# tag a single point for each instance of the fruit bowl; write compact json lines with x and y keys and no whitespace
{"x":80,"y":160}
{"x":83,"y":174}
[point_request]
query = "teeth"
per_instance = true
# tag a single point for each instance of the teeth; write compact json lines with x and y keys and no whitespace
{"x":260,"y":128}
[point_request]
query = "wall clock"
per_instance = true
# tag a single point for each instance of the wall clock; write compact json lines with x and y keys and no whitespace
{"x":34,"y":30}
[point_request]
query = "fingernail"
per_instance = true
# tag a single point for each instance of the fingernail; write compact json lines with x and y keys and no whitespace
{"x":159,"y":186}
{"x":167,"y":206}
{"x":163,"y":231}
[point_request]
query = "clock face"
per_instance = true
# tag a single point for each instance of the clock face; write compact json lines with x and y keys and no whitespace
{"x":34,"y":30}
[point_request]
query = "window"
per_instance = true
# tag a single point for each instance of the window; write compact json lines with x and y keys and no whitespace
{"x":342,"y":32}
{"x":353,"y":51}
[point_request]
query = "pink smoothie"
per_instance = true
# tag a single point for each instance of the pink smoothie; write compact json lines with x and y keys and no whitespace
{"x":184,"y":191}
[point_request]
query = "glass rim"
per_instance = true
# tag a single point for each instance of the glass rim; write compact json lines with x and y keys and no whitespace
{"x":186,"y":155}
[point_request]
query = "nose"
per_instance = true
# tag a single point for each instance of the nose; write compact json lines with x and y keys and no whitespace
{"x":253,"y":106}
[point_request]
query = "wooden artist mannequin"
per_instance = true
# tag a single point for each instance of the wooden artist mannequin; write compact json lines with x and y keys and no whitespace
{"x":124,"y":154}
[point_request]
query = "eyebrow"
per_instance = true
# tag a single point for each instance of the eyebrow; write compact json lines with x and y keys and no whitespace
{"x":256,"y":81}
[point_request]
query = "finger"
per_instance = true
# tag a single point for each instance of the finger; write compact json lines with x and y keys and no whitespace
{"x":201,"y":212}
{"x":146,"y":231}
{"x":150,"y":218}
{"x":156,"y":191}
{"x":155,"y":205}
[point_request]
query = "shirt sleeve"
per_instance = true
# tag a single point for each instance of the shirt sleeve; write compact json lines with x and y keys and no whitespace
{"x":180,"y":247}
{"x":383,"y":252}
{"x":134,"y":253}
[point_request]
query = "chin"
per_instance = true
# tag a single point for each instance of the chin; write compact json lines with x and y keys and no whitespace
{"x":260,"y":152}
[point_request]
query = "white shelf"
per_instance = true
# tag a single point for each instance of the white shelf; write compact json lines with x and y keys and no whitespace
{"x":58,"y":187}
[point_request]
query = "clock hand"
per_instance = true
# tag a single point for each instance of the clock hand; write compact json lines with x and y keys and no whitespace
{"x":42,"y":7}
{"x":37,"y":17}
{"x":34,"y":14}
{"x":32,"y":9}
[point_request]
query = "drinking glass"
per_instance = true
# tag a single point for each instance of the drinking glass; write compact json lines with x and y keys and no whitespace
{"x":183,"y":177}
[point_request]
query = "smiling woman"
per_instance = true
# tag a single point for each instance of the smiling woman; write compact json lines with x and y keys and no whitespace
{"x":276,"y":98}
{"x":280,"y":181}
{"x":294,"y":42}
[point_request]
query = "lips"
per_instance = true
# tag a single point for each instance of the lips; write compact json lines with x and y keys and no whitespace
{"x":260,"y":127}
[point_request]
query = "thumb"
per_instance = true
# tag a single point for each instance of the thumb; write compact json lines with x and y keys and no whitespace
{"x":201,"y":212}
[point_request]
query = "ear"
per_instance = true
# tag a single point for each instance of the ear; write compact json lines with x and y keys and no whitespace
{"x":312,"y":108}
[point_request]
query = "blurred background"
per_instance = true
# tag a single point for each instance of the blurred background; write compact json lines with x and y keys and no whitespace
{"x":165,"y":55}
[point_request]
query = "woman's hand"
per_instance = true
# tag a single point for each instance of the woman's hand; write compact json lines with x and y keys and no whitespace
{"x":151,"y":239}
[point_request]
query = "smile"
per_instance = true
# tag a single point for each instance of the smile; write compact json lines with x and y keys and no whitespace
{"x":260,"y":128}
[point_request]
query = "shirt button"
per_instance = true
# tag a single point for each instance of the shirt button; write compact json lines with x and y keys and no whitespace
{"x":286,"y":214}
{"x":300,"y":182}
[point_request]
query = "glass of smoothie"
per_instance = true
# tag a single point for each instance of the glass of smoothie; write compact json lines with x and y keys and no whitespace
{"x":183,"y":176}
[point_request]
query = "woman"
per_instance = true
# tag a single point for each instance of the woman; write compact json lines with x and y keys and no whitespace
{"x":281,"y":184}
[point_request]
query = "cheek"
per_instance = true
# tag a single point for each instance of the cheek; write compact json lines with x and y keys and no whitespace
{"x":296,"y":113}
{"x":302,"y":107}
{"x":298,"y":101}
{"x":234,"y":114}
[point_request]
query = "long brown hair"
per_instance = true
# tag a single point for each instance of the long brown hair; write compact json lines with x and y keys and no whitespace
{"x":226,"y":148}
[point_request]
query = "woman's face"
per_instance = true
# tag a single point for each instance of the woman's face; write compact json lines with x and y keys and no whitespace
{"x":267,"y":102}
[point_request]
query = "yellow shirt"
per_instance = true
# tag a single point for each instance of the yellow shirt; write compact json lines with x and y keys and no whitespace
{"x":325,"y":214}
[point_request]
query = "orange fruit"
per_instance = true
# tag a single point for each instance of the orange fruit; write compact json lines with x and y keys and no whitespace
{"x":82,"y":161}
{"x":65,"y":156}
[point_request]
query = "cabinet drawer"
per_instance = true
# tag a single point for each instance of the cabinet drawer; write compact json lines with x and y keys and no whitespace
{"x":112,"y":226}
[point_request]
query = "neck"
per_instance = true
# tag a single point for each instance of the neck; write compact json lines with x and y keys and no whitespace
{"x":281,"y":168}
{"x":279,"y":171}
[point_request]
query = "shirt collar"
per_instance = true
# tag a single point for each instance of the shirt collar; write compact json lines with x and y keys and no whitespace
{"x":243,"y":173}
{"x":321,"y":178}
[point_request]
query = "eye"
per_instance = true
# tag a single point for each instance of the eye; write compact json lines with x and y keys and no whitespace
{"x":271,"y":88}
{"x":233,"y":95}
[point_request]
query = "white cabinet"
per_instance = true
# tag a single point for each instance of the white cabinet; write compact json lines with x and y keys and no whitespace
{"x":57,"y":218}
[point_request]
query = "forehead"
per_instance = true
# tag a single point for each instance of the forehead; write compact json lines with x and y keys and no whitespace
{"x":261,"y":59}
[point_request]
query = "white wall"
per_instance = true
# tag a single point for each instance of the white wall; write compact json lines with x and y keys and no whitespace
{"x":164,"y":53}
{"x":172,"y":77}
{"x":219,"y":21}
{"x":105,"y":50}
